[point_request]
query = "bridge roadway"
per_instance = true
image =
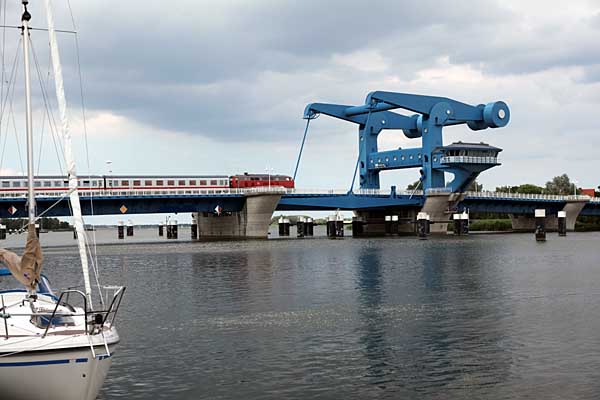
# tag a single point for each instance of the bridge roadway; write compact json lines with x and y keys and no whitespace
{"x":233,"y":200}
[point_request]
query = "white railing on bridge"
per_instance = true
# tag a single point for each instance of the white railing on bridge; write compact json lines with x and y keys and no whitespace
{"x":134,"y":192}
{"x":528,"y":196}
{"x":356,"y":192}
{"x":469,"y":160}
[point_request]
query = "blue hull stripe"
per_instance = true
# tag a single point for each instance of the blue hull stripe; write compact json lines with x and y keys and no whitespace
{"x":30,"y":363}
{"x":48,"y":362}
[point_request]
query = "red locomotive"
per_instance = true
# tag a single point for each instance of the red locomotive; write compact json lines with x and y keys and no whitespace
{"x":251,"y":180}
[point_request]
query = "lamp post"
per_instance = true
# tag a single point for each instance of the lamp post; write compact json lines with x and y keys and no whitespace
{"x":269,"y":171}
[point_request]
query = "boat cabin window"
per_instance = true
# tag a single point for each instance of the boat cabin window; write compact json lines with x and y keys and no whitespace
{"x":124,"y":183}
{"x":202,"y":183}
{"x":5,"y":183}
{"x":147,"y":183}
{"x":47,"y":183}
{"x":137,"y":183}
{"x":171,"y":183}
{"x":16,"y":184}
{"x":37,"y":184}
{"x":181,"y":183}
{"x":159,"y":183}
{"x":192,"y":182}
{"x":213,"y":182}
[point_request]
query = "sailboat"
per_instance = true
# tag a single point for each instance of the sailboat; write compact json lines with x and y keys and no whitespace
{"x":53,"y":346}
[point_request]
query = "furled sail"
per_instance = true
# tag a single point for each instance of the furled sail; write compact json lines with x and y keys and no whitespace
{"x":68,"y":149}
{"x":28,"y":268}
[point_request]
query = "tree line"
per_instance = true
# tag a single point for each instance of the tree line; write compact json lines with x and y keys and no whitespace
{"x":559,"y":185}
{"x":45,"y":223}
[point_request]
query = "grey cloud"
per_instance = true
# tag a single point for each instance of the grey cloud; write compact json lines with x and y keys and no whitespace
{"x":244,"y":70}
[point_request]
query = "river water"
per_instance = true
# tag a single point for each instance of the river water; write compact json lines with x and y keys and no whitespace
{"x":484,"y":316}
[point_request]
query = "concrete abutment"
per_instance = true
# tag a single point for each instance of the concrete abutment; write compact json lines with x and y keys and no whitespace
{"x":526,"y":223}
{"x":251,"y":222}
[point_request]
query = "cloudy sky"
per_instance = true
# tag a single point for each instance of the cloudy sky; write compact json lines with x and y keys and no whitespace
{"x":195,"y":87}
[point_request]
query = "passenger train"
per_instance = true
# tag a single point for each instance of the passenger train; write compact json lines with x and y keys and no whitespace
{"x":57,"y":183}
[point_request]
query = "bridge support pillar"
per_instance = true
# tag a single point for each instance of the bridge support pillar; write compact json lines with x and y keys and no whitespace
{"x":438,"y":206}
{"x":526,"y":223}
{"x":573,"y":208}
{"x":251,"y":222}
{"x":372,"y":223}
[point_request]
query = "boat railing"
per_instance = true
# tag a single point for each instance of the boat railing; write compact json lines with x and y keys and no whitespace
{"x":100,"y":317}
{"x":113,"y":308}
{"x":60,"y":302}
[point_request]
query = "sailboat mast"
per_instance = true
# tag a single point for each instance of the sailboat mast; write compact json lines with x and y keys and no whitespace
{"x":28,"y":124}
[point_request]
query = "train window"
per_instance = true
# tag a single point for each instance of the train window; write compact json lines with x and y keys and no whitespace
{"x":137,"y":183}
{"x":181,"y":183}
{"x":171,"y":183}
{"x":5,"y":183}
{"x":202,"y":183}
{"x":16,"y":184}
{"x":213,"y":182}
{"x":192,"y":182}
{"x":124,"y":183}
{"x":147,"y":183}
{"x":159,"y":183}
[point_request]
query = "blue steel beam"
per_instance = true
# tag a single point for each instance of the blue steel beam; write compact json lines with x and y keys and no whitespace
{"x":350,"y":201}
{"x":133,"y":205}
{"x":288,"y":202}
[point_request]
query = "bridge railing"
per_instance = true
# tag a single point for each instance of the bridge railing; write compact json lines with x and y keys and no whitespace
{"x":527,"y":196}
{"x":134,"y":192}
{"x":358,"y":192}
{"x":469,"y":160}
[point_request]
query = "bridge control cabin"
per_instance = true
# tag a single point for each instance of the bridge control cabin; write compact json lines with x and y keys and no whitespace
{"x":469,"y":153}
{"x":465,"y":161}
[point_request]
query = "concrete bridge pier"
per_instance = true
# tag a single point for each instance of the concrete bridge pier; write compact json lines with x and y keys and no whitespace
{"x":438,"y":206}
{"x":373,"y":222}
{"x":573,"y":208}
{"x":526,"y":223}
{"x":251,"y":222}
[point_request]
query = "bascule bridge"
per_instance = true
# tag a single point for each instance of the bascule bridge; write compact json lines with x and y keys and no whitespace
{"x":430,"y":114}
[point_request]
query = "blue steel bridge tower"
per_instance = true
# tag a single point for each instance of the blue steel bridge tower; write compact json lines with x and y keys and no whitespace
{"x":463,"y":160}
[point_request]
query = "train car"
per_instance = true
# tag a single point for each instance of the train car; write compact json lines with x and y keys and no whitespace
{"x":56,"y":184}
{"x":172,"y":182}
{"x":47,"y":184}
{"x":247,"y":180}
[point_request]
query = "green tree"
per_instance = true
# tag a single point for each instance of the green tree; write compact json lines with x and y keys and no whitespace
{"x":475,"y":187}
{"x":528,"y":188}
{"x":560,"y":185}
{"x":414,"y":185}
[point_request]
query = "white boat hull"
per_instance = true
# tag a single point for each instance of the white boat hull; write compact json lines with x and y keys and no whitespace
{"x":67,"y":374}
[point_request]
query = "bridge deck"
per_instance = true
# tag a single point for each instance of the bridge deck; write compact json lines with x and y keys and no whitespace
{"x":231,"y":200}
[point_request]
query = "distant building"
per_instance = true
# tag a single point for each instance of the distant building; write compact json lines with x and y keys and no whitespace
{"x":588,"y":192}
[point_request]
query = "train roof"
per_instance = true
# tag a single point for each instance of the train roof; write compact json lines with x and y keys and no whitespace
{"x":260,"y":175}
{"x":117,"y":176}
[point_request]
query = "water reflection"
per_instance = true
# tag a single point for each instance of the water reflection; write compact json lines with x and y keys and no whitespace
{"x":463,"y":341}
{"x":372,"y":331}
